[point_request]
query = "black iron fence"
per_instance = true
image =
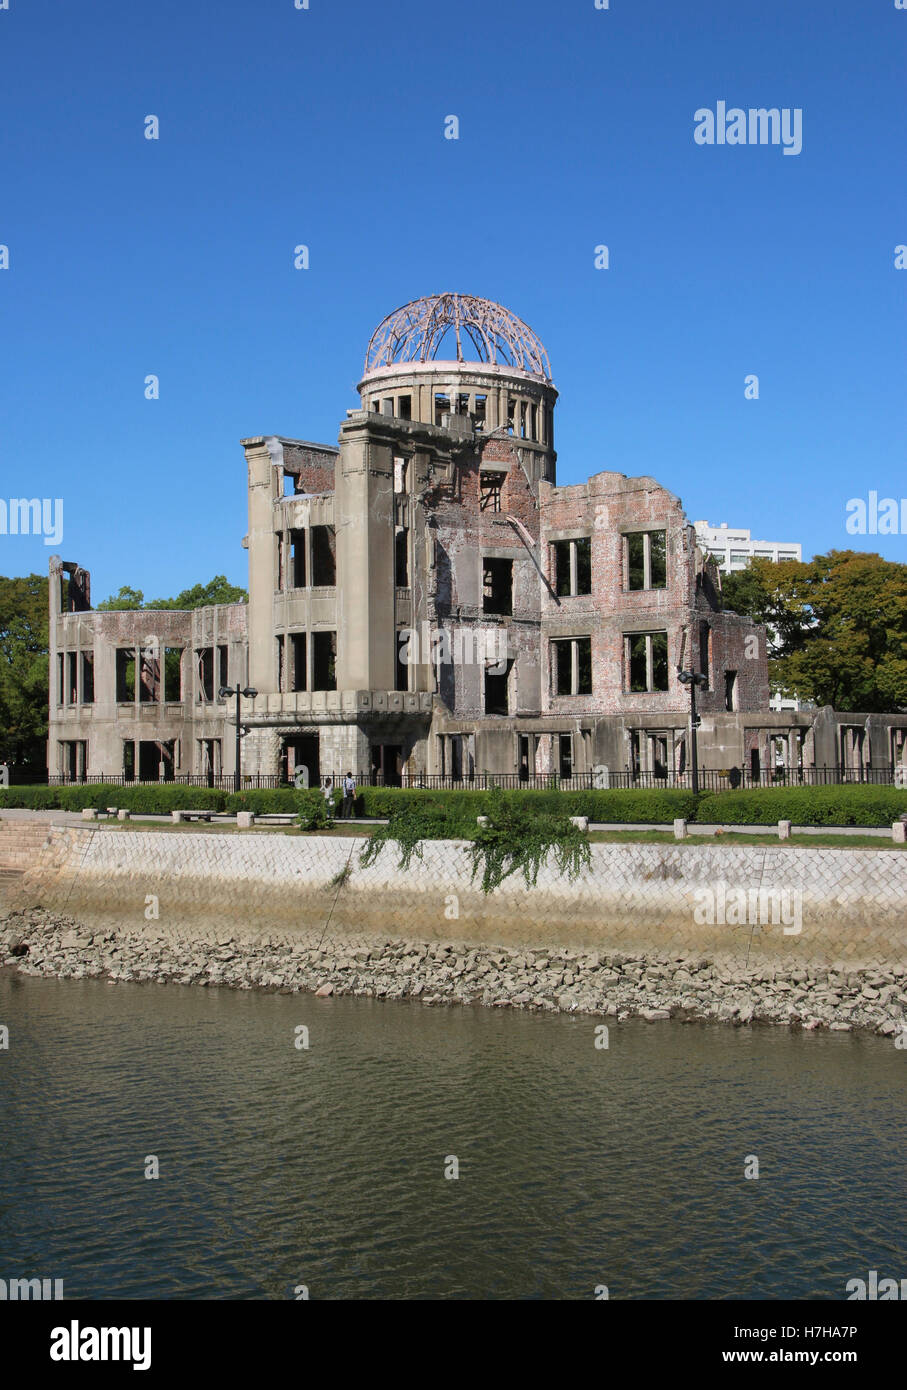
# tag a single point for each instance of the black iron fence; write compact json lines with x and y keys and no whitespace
{"x":709,"y":780}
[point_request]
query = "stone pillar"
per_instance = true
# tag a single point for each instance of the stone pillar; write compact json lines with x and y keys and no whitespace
{"x":262,"y":456}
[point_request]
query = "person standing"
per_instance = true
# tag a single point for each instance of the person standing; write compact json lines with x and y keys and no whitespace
{"x":349,"y":793}
{"x":327,"y":791}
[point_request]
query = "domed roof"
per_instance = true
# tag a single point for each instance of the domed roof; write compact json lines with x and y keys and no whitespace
{"x":416,"y":333}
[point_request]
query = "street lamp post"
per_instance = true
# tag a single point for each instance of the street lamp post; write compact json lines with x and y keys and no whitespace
{"x":225,"y":692}
{"x":692,"y":679}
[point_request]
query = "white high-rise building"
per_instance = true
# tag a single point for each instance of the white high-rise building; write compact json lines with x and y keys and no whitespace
{"x":733,"y":548}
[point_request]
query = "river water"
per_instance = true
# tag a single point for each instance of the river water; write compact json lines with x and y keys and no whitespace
{"x":324,"y":1167}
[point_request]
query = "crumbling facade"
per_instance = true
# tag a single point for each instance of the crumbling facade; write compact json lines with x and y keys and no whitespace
{"x":425,"y":602}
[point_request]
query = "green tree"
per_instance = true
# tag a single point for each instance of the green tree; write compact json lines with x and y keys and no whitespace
{"x":217,"y":590}
{"x":837,"y":627}
{"x":23,"y":675}
{"x":127,"y":598}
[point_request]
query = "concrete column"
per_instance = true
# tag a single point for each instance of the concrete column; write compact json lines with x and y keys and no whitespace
{"x":262,"y":562}
{"x":365,"y":562}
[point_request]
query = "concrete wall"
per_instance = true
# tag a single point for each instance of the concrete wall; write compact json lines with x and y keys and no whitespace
{"x":634,"y":898}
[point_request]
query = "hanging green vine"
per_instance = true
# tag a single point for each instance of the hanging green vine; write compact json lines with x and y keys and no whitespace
{"x":514,"y":839}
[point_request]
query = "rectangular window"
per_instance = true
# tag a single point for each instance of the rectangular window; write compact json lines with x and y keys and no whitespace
{"x":61,"y":679}
{"x":298,"y":669}
{"x":210,"y":677}
{"x":297,"y":559}
{"x":149,"y":673}
{"x":72,"y":688}
{"x":647,"y":661}
{"x":571,"y":666}
{"x":405,"y":408}
{"x":572,"y":567}
{"x":496,"y":691}
{"x":324,"y":661}
{"x":646,"y":560}
{"x":125,"y":675}
{"x":497,"y":588}
{"x":730,"y":691}
{"x":479,"y":415}
{"x":565,"y":755}
{"x":705,"y":650}
{"x":173,"y":679}
{"x":87,"y":659}
{"x":442,"y":406}
{"x":490,"y":485}
{"x":401,"y":667}
{"x":324,"y":564}
{"x":401,"y":558}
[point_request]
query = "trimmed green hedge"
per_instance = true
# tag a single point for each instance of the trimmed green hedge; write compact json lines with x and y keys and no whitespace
{"x":845,"y":805}
{"x":840,"y":805}
{"x":645,"y":807}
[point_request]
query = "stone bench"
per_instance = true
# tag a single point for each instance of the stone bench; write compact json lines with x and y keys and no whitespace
{"x":179,"y":816}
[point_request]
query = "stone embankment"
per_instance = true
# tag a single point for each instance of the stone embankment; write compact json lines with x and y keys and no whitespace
{"x":612,"y":985}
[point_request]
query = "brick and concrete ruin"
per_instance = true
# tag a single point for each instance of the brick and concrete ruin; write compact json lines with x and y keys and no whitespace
{"x":426,"y":602}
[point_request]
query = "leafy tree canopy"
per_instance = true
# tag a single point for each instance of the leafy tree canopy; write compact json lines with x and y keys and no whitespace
{"x":217,"y":590}
{"x":23,"y":674}
{"x":837,"y":626}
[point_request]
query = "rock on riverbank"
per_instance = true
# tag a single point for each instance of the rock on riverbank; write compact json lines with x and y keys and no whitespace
{"x":611,"y":985}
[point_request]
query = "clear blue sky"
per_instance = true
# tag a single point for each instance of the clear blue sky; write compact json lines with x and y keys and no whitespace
{"x":325,"y":127}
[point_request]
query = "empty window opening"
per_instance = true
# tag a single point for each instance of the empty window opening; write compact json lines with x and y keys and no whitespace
{"x":647,"y":661}
{"x":497,"y":587}
{"x":129,"y":761}
{"x":73,"y":759}
{"x":572,"y":567}
{"x":565,"y":755}
{"x":511,"y":412}
{"x":463,"y":403}
{"x":387,"y":764}
{"x":173,"y":674}
{"x":376,"y":405}
{"x":490,"y":488}
{"x":400,"y":471}
{"x":646,"y":560}
{"x":125,"y":675}
{"x":324,"y":563}
{"x":442,"y":406}
{"x":298,"y":670}
{"x":524,"y":410}
{"x":324,"y":661}
{"x":405,"y":408}
{"x":297,"y":559}
{"x":209,"y":759}
{"x":572,"y":666}
{"x":149,"y":674}
{"x":289,"y":485}
{"x":401,"y":558}
{"x":87,"y":662}
{"x":209,"y":680}
{"x":479,"y":412}
{"x":730,"y":691}
{"x":705,"y":649}
{"x":72,"y":689}
{"x":497,"y":685}
{"x":401,"y":666}
{"x":533,"y":421}
{"x":61,"y":678}
{"x":528,"y":747}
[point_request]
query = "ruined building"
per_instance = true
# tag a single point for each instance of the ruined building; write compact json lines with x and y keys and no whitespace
{"x":425,"y":601}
